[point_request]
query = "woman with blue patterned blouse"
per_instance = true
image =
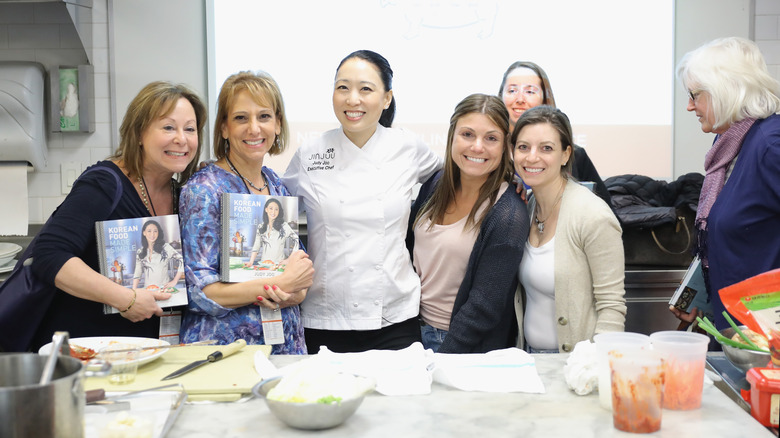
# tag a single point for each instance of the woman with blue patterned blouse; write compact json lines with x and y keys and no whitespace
{"x":250,"y":123}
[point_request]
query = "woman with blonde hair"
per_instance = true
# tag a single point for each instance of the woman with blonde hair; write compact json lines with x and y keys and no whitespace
{"x":160,"y":140}
{"x":250,"y":124}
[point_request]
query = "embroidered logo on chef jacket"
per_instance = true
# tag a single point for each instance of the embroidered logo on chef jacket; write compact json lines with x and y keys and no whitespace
{"x":321,"y":161}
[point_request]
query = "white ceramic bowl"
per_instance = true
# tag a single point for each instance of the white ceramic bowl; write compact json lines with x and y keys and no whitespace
{"x":8,"y":251}
{"x":310,"y":416}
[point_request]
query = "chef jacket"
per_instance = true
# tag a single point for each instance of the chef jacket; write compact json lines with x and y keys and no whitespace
{"x":357,"y":203}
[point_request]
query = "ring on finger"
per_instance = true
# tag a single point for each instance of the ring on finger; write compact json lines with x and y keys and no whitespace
{"x":277,"y":307}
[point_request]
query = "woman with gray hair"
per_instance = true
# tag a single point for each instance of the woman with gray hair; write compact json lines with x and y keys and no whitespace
{"x":734,"y":97}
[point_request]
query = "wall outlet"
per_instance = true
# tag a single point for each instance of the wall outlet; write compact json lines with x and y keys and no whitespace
{"x":69,"y":171}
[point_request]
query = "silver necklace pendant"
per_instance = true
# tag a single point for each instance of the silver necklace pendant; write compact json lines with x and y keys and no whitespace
{"x":539,"y":226}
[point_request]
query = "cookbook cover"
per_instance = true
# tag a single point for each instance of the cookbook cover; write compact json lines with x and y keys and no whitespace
{"x":143,"y":253}
{"x":259,"y":232}
{"x":692,"y":292}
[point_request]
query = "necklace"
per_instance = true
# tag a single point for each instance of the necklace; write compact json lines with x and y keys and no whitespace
{"x":148,"y":199}
{"x":246,"y":181}
{"x":540,"y":223}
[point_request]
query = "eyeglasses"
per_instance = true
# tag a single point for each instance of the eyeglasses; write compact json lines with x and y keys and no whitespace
{"x":694,"y":94}
{"x":528,"y":91}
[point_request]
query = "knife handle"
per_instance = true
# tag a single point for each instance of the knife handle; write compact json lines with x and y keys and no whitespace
{"x":232,"y":348}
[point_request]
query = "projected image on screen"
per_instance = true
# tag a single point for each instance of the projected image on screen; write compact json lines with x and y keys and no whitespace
{"x":610,"y":63}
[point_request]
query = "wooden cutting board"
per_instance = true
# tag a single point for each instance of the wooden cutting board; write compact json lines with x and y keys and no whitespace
{"x":223,"y":380}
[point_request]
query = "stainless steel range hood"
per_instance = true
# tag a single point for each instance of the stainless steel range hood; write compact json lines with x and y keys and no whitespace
{"x":77,"y":13}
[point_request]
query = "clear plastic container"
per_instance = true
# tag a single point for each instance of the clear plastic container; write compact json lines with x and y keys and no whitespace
{"x":637,"y":390}
{"x":606,"y":342}
{"x":684,"y":356}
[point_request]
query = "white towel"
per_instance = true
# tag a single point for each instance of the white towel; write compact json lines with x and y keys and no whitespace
{"x":507,"y":370}
{"x":581,"y":369}
{"x":401,"y":372}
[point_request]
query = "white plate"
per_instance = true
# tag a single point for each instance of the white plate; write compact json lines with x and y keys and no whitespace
{"x":8,"y":267}
{"x":8,"y":249}
{"x":97,"y":343}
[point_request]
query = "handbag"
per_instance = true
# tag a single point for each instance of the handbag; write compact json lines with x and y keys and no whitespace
{"x":662,"y":245}
{"x":24,"y":299}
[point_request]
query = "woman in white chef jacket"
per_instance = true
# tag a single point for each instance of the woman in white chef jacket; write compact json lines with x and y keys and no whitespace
{"x":355,"y":183}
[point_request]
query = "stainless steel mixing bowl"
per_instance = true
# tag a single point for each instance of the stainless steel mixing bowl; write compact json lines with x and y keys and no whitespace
{"x":741,"y":358}
{"x":310,"y":416}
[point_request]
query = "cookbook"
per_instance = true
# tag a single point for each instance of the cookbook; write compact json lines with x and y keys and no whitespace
{"x":143,"y":253}
{"x":692,"y":291}
{"x":259,"y":232}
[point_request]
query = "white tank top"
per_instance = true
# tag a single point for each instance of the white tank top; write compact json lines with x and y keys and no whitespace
{"x":537,"y":275}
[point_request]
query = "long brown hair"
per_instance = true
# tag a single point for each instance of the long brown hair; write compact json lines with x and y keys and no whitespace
{"x":444,"y":193}
{"x":155,"y":100}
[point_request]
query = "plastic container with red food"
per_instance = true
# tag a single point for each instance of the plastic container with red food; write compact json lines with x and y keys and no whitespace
{"x":764,"y":395}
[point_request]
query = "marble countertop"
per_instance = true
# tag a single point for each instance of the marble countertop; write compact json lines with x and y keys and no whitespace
{"x":448,"y":413}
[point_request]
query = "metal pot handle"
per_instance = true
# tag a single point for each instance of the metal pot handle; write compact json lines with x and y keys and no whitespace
{"x":59,"y":346}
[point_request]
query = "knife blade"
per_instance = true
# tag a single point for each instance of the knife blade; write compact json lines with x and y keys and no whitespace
{"x":213,"y":357}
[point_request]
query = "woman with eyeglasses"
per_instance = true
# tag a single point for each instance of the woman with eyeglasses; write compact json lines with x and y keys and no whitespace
{"x":572,"y":270}
{"x":160,"y":139}
{"x":733,"y":95}
{"x":524,"y":86}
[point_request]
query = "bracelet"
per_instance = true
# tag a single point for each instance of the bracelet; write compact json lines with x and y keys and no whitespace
{"x":131,"y":302}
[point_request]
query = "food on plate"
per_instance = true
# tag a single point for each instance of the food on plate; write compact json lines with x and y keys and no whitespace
{"x":316,"y":382}
{"x":126,"y":425}
{"x":267,"y":265}
{"x":82,"y":353}
{"x":154,"y":287}
{"x":760,"y":340}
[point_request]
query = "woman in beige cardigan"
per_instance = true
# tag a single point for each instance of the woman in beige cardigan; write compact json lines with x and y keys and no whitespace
{"x":572,"y":270}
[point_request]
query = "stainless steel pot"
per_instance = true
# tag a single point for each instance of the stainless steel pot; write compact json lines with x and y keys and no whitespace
{"x":29,"y":409}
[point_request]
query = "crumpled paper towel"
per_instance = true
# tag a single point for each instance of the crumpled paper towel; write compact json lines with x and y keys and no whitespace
{"x":264,"y":367}
{"x":507,"y":370}
{"x":581,"y":369}
{"x":401,"y":372}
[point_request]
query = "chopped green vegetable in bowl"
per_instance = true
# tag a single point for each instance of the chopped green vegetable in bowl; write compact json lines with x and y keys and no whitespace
{"x":314,"y":395}
{"x":314,"y":384}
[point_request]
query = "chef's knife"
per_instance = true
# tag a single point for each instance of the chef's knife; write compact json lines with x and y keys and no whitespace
{"x":213,"y":357}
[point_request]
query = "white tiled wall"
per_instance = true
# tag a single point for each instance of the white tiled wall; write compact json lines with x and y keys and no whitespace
{"x":30,"y":35}
{"x":767,"y":33}
{"x":33,"y":34}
